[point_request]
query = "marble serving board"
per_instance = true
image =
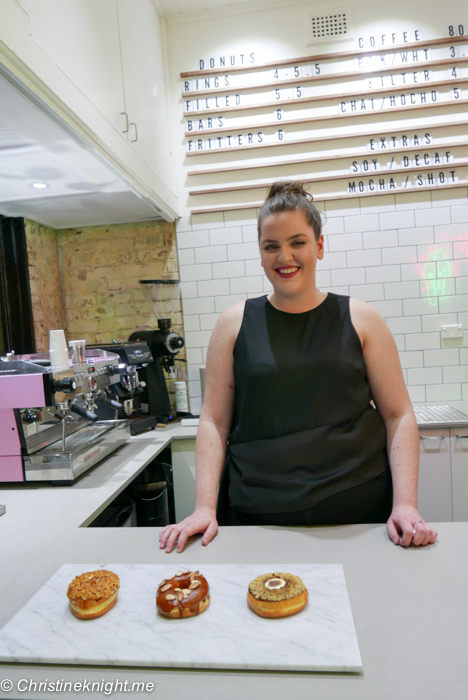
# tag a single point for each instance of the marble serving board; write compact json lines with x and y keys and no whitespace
{"x":227,"y":635}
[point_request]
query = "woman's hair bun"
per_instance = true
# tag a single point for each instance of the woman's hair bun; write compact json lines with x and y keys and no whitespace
{"x":288,"y":186}
{"x":290,"y":195}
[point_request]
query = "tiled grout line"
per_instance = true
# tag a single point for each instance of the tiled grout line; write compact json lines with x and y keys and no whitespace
{"x":400,"y":256}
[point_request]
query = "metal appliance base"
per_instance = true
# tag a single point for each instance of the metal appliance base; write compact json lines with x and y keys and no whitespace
{"x":82,"y":451}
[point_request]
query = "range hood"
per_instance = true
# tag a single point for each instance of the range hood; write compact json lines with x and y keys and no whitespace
{"x":81,"y":188}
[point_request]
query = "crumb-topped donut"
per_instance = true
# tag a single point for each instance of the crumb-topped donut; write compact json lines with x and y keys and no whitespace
{"x":277,"y":595}
{"x":185,"y":594}
{"x":92,"y":594}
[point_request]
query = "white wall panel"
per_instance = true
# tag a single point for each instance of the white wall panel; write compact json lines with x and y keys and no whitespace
{"x":404,"y":252}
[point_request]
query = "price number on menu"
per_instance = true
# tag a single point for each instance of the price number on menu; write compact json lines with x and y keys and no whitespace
{"x":456,"y":30}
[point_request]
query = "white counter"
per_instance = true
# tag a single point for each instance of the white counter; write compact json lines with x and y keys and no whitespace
{"x":38,"y":514}
{"x":409,"y":606}
{"x":409,"y":609}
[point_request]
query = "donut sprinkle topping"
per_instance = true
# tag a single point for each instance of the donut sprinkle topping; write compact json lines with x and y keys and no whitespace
{"x":93,"y":585}
{"x":276,"y":586}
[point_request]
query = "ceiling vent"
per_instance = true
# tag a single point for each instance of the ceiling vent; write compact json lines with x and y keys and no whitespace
{"x":329,"y":26}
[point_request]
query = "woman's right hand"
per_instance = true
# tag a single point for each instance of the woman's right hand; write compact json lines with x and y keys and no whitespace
{"x":212,"y":434}
{"x":202,"y":520}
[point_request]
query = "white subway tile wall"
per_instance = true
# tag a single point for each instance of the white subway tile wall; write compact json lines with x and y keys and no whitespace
{"x":407,"y":255}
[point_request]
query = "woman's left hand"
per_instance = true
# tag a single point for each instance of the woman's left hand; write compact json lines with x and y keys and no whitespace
{"x":405,"y":526}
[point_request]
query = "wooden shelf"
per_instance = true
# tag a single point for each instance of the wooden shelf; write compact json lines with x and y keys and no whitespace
{"x":327,"y":118}
{"x":330,"y":76}
{"x":328,"y":178}
{"x":196,"y":114}
{"x":333,"y":197}
{"x":402,"y":118}
{"x":324,"y":98}
{"x":318,"y":139}
{"x":396,"y":48}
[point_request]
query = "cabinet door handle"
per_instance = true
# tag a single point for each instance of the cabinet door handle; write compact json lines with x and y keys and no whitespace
{"x":125,"y":131}
{"x":136,"y":132}
{"x":432,"y":437}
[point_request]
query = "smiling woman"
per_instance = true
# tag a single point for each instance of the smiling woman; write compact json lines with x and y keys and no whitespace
{"x":306,"y":418}
{"x":289,"y":249}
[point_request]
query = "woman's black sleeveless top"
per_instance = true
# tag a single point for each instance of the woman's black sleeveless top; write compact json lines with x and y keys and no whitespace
{"x":303,"y":427}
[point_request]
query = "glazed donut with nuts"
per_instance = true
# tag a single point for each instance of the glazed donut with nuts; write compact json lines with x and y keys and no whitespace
{"x":277,"y":595}
{"x":92,"y":594}
{"x":185,"y":594}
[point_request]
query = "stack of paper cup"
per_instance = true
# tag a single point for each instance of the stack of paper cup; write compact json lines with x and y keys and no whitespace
{"x":58,"y":351}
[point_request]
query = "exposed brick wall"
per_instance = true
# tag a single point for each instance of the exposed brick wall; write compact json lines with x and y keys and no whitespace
{"x":100,"y":269}
{"x":86,"y":280}
{"x":44,"y":282}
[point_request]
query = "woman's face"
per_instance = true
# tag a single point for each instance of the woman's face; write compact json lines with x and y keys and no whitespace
{"x":289,"y":252}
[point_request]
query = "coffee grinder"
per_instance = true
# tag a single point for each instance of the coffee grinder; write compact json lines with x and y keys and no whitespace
{"x":164,"y":344}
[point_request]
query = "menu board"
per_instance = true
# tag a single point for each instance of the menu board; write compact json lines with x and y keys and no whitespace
{"x":390,"y":116}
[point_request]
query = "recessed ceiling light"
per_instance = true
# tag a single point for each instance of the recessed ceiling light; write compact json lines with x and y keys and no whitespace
{"x":39,"y":185}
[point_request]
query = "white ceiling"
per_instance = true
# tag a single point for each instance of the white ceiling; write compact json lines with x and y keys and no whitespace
{"x":170,"y":8}
{"x":83,"y":189}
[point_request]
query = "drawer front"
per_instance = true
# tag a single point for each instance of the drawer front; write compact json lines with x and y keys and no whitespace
{"x":435,"y":482}
{"x":459,"y":445}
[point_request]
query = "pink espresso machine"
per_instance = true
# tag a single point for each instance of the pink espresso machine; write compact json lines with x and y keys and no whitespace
{"x":48,"y":428}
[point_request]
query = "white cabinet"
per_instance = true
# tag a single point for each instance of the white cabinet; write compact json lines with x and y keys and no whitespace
{"x":90,"y":61}
{"x":82,"y":39}
{"x":459,"y":455}
{"x":183,"y":475}
{"x":443,"y":474}
{"x":435,"y":481}
{"x":145,"y":87}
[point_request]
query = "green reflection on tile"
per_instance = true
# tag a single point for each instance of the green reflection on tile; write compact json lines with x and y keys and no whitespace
{"x":436,"y":286}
